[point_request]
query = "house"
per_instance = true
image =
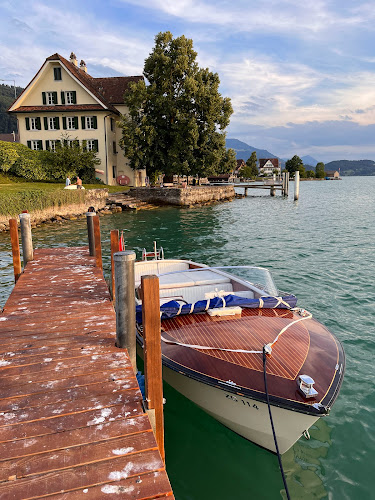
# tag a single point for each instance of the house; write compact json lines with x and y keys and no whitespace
{"x":240,"y":165}
{"x":268,"y":166}
{"x":64,"y":100}
{"x":13,"y":137}
{"x":332,"y":174}
{"x":221,"y":178}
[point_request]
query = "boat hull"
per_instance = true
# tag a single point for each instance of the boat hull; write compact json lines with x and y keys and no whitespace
{"x":247,"y":417}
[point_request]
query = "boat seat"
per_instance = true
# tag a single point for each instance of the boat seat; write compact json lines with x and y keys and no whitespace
{"x":194,"y":293}
{"x":157,"y":267}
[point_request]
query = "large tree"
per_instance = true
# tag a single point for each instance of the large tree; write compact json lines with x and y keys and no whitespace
{"x":295,"y":164}
{"x":319,"y":170}
{"x":251,"y":162}
{"x":176,"y":123}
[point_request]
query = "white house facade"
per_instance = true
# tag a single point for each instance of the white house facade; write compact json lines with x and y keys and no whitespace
{"x":268,"y":166}
{"x":64,"y":100}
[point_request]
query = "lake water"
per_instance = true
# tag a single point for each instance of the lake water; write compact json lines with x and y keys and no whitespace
{"x":322,"y":248}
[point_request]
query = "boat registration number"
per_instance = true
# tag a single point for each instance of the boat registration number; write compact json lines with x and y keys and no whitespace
{"x":239,"y":400}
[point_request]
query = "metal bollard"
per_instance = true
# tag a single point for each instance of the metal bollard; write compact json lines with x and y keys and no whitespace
{"x":125,"y":303}
{"x":90,"y":232}
{"x":26,"y":238}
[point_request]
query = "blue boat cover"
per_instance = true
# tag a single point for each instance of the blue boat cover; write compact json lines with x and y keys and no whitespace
{"x":173,"y":308}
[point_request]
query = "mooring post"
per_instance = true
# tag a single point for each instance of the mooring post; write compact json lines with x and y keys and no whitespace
{"x":90,"y":232}
{"x":26,"y":238}
{"x":13,"y":228}
{"x":152,"y":354}
{"x":296,"y":185}
{"x":114,"y":249}
{"x":283,"y":184}
{"x":272,"y":191}
{"x":245,"y":191}
{"x":287,"y":184}
{"x":98,"y":244}
{"x":125,"y":303}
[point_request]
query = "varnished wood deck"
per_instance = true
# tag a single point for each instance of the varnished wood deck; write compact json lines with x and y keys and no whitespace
{"x":71,"y":419}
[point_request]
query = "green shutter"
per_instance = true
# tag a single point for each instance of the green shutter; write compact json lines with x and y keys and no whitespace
{"x":40,"y":145}
{"x":45,"y":123}
{"x":83,"y":122}
{"x":95,"y":122}
{"x":64,"y":122}
{"x":44,"y":98}
{"x":38,"y":124}
{"x":47,"y":145}
{"x":96,"y":146}
{"x":54,"y":94}
{"x":62,"y":97}
{"x":27,"y":120}
{"x":29,"y":144}
{"x":57,"y":123}
{"x":76,"y":122}
{"x":74,"y":97}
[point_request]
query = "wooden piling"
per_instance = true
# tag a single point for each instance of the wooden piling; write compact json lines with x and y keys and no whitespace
{"x":98,"y":244}
{"x":296,"y":185}
{"x":152,"y":354}
{"x":114,"y":249}
{"x":13,"y":228}
{"x":272,"y":191}
{"x":90,"y":232}
{"x":125,"y":303}
{"x":245,"y":191}
{"x":26,"y":238}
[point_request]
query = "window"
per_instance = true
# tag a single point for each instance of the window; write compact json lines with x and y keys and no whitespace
{"x":51,"y":145}
{"x":70,"y":97}
{"x":92,"y":145}
{"x":114,"y":148}
{"x":57,"y":73}
{"x":35,"y":145}
{"x":70,"y":123}
{"x":89,"y":122}
{"x":33,"y":124}
{"x":114,"y":171}
{"x":112,"y":124}
{"x":52,"y":123}
{"x":49,"y":98}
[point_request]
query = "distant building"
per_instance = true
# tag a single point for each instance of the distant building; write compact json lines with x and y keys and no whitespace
{"x":240,"y":165}
{"x":221,"y":178}
{"x":332,"y":174}
{"x":13,"y":137}
{"x":267,"y":166}
{"x":63,"y":98}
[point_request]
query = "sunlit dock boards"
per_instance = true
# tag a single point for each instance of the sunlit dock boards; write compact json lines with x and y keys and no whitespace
{"x":72,"y":423}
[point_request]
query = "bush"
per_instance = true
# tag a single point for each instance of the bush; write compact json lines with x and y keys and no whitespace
{"x":21,"y":161}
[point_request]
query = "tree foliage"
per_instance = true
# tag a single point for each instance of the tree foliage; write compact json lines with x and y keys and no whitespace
{"x":319,"y":170}
{"x":8,"y":122}
{"x":19,"y":160}
{"x":252,"y":164}
{"x":176,"y":123}
{"x":310,"y":174}
{"x":294,"y":164}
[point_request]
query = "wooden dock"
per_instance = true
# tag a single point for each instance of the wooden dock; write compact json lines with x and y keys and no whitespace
{"x":72,"y":423}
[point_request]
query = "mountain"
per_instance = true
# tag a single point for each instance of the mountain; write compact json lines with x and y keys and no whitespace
{"x":352,"y":167}
{"x":243,"y":150}
{"x":309,"y":160}
{"x":8,"y":123}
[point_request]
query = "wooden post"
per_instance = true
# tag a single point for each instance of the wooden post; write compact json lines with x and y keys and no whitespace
{"x":272,"y":191}
{"x":114,"y":249}
{"x":90,"y":232}
{"x":26,"y":238}
{"x":152,"y":354}
{"x":283,"y":184}
{"x":287,"y":184}
{"x":296,"y":185}
{"x":15,"y":248}
{"x":245,"y":191}
{"x":98,"y":245}
{"x":125,"y":303}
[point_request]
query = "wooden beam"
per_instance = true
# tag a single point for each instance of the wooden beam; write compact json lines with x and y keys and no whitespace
{"x":13,"y":227}
{"x":152,"y":354}
{"x":98,"y":245}
{"x":114,"y":248}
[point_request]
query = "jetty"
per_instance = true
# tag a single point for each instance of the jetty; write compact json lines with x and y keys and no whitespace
{"x":72,"y":417}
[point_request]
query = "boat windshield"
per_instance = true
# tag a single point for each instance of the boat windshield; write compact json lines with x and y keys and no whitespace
{"x":258,"y":276}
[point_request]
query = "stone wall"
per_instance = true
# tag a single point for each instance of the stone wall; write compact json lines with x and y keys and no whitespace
{"x":188,"y":196}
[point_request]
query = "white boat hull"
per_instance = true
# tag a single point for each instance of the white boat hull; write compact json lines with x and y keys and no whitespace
{"x":247,"y":417}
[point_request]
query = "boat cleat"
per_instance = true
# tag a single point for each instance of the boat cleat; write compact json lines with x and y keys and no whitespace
{"x":306,"y":386}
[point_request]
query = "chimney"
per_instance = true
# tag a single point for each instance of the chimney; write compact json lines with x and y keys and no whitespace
{"x":73,"y":59}
{"x":83,"y":66}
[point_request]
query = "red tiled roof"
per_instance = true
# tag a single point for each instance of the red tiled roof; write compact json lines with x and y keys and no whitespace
{"x":113,"y":88}
{"x":9,"y":137}
{"x":59,"y":109}
{"x":274,"y":161}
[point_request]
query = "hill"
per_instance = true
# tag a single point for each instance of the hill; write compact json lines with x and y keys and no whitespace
{"x":309,"y":160}
{"x":243,"y":150}
{"x":352,"y":167}
{"x":8,"y":123}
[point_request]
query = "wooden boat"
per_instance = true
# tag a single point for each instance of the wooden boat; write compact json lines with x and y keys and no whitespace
{"x":217,"y":360}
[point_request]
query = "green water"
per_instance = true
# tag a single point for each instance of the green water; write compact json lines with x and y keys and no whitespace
{"x":322,"y":249}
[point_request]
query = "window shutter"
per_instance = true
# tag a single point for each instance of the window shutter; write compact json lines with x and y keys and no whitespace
{"x":64,"y":122}
{"x":29,"y":144}
{"x":38,"y":124}
{"x":96,"y":148}
{"x":83,"y":122}
{"x":47,"y":145}
{"x":54,"y":97}
{"x":27,"y":120}
{"x":45,"y":123}
{"x":95,"y":122}
{"x":76,"y":122}
{"x":74,"y":97}
{"x":40,"y":145}
{"x":62,"y":97}
{"x":57,"y":123}
{"x":44,"y":98}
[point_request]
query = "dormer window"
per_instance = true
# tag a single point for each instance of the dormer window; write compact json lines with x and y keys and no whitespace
{"x":57,"y":74}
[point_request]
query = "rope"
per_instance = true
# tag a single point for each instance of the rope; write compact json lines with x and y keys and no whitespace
{"x":271,"y":420}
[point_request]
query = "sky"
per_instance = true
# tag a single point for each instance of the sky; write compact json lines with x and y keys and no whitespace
{"x":300,"y":75}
